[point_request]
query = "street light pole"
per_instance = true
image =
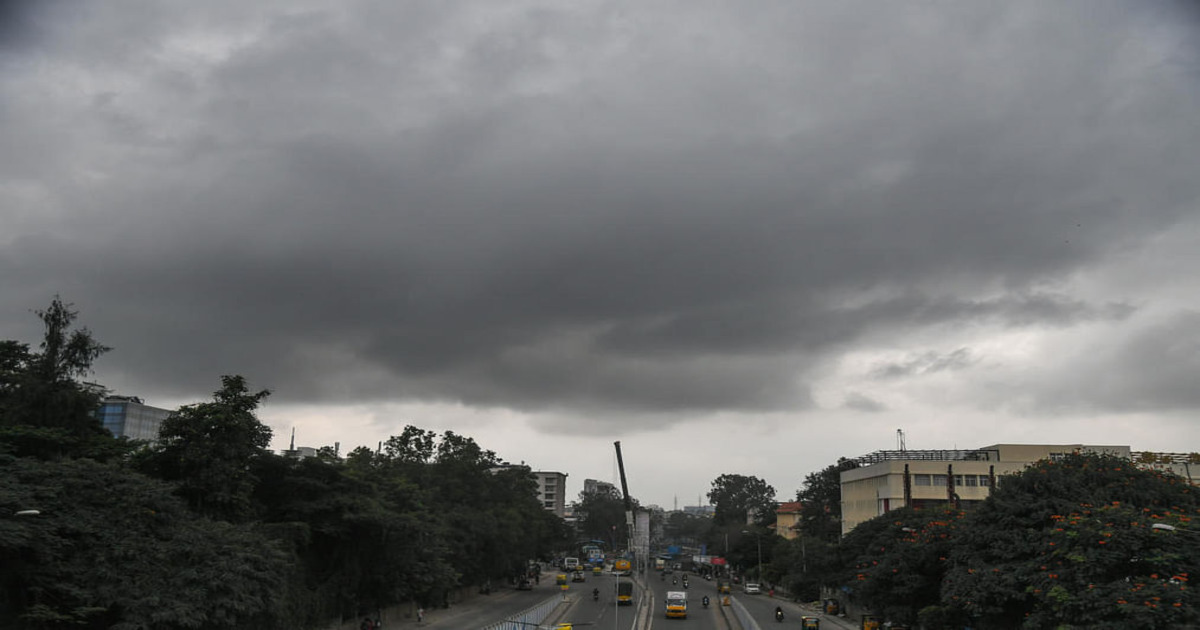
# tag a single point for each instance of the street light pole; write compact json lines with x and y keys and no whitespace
{"x":758,"y":543}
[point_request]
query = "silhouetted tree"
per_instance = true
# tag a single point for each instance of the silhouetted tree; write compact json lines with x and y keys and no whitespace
{"x":208,"y":448}
{"x":737,"y":498}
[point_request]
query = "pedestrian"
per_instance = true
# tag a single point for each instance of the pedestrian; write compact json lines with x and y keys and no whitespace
{"x":420,"y":615}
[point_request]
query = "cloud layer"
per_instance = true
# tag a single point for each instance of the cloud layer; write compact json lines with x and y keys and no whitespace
{"x":641,"y":213}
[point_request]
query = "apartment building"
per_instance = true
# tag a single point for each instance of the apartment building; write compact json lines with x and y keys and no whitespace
{"x":552,"y":491}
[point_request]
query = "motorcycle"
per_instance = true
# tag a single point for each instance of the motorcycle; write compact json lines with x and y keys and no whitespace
{"x":595,"y":594}
{"x":778,"y":615}
{"x":705,"y":601}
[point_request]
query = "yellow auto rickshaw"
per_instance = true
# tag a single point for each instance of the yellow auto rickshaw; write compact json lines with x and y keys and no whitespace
{"x":810,"y":623}
{"x":561,"y":580}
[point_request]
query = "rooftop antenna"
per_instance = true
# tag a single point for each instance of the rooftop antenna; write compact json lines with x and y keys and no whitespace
{"x":900,"y":440}
{"x":292,"y":447}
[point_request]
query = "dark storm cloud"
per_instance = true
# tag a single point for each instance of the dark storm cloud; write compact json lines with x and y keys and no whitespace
{"x":1162,"y":365}
{"x":583,"y":207}
{"x":927,"y":363}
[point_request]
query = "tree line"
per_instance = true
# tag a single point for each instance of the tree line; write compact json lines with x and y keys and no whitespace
{"x":1082,"y":541}
{"x":207,"y":529}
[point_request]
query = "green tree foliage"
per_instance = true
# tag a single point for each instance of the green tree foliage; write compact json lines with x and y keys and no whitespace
{"x":1071,"y":543}
{"x":737,"y":497}
{"x":821,"y":502}
{"x":315,"y":540}
{"x":45,"y":410}
{"x":895,"y":563}
{"x":601,"y":516}
{"x":686,"y":529}
{"x":208,"y":448}
{"x":114,"y":549}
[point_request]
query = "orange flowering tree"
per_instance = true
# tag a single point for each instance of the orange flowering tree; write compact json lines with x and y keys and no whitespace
{"x":894,"y":564}
{"x":1072,"y":543}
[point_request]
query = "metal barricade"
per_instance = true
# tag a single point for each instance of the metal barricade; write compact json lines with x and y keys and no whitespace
{"x":530,"y":618}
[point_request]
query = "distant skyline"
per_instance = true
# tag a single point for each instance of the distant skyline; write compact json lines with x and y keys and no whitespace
{"x":738,"y":238}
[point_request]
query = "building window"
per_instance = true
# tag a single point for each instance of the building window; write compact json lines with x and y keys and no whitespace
{"x":549,"y":496}
{"x":922,"y":480}
{"x":972,"y":480}
{"x":958,"y":480}
{"x":939,"y":481}
{"x":549,"y":504}
{"x":983,"y":480}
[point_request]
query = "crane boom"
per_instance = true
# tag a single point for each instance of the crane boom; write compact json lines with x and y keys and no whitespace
{"x":628,"y":501}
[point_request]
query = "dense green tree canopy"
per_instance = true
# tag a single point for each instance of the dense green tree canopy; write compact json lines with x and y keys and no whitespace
{"x":208,"y":448}
{"x":113,"y":549}
{"x":316,"y":541}
{"x":601,"y":516}
{"x":739,"y":497}
{"x":1072,"y":542}
{"x":45,"y":410}
{"x":1082,"y":541}
{"x":821,"y":501}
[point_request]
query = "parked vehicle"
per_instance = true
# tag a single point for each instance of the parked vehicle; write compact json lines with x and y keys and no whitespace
{"x":752,"y":588}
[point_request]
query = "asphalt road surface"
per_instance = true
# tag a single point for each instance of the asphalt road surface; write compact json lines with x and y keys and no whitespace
{"x":648,"y":609}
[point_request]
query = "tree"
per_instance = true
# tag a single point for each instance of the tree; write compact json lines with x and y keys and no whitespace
{"x":45,"y":410}
{"x":208,"y":448}
{"x":739,"y":497}
{"x":894,"y":563}
{"x":821,"y":502}
{"x":114,"y":549}
{"x":601,"y":516}
{"x":1071,"y":542}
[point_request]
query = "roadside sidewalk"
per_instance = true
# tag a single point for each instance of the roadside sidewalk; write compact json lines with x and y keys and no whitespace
{"x":798,"y":610}
{"x":475,"y":610}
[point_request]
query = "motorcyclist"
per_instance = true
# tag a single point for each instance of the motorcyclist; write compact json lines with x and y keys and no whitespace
{"x":595,"y":594}
{"x":674,"y":581}
{"x":704,"y":601}
{"x":778,"y":613}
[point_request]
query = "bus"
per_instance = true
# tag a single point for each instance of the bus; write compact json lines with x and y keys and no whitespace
{"x":624,"y":593}
{"x":570,"y":564}
{"x":622,"y":566}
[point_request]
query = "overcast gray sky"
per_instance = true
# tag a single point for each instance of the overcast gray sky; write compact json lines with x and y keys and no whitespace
{"x":740,"y":237}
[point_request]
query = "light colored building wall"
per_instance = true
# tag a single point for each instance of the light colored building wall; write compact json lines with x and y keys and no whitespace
{"x":552,"y":491}
{"x":876,"y":489}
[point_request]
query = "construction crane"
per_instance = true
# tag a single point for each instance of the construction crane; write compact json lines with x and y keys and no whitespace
{"x":628,"y":501}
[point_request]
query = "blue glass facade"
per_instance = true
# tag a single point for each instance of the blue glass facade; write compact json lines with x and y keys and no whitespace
{"x":128,"y":417}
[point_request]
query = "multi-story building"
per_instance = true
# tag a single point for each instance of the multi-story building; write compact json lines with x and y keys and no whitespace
{"x":787,"y":519}
{"x":887,"y":480}
{"x":552,"y":491}
{"x":128,"y":416}
{"x":592,"y":486}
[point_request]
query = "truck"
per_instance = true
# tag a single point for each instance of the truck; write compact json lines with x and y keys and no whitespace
{"x":676,"y":604}
{"x":624,"y":593}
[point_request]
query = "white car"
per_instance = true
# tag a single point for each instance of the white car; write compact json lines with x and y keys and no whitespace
{"x":751,"y":589}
